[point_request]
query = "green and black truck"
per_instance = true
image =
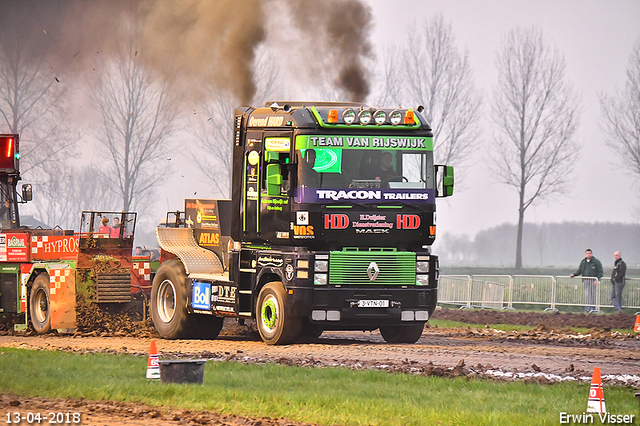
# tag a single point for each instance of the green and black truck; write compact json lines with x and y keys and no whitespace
{"x":329,"y":227}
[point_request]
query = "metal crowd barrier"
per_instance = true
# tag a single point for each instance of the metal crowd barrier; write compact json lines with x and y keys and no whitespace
{"x":533,"y":291}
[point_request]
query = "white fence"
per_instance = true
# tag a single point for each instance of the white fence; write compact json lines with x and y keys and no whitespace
{"x":509,"y":292}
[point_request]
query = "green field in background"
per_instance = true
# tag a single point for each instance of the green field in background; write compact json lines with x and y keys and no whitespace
{"x":329,"y":396}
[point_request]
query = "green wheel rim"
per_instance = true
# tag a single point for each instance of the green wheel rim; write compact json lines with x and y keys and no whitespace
{"x":269,"y":313}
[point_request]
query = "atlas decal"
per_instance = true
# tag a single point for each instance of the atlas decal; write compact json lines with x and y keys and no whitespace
{"x":209,"y":239}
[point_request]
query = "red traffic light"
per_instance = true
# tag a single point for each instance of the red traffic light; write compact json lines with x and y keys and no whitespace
{"x":9,"y":153}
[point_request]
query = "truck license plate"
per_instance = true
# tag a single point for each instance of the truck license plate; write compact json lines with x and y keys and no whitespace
{"x":373,"y":303}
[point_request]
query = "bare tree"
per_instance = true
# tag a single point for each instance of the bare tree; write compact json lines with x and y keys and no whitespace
{"x":137,"y":118}
{"x":438,"y":76}
{"x":213,"y":127}
{"x":213,"y":130}
{"x":536,"y":113}
{"x":66,"y":193}
{"x":32,"y":88}
{"x":389,"y":92}
{"x":622,"y":117}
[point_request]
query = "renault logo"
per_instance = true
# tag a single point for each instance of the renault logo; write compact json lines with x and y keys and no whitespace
{"x":373,"y":271}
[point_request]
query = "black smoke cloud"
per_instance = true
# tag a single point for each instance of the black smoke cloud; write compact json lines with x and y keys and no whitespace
{"x":203,"y":41}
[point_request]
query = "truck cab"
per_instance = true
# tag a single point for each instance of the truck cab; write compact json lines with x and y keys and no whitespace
{"x":332,"y":218}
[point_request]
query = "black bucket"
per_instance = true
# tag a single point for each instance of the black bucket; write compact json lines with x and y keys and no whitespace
{"x":182,"y":371}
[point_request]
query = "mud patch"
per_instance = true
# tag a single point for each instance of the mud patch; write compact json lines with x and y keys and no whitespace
{"x":131,"y":414}
{"x":554,"y":320}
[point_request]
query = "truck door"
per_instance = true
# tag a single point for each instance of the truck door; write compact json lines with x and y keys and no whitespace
{"x":275,"y":190}
{"x":251,"y":185}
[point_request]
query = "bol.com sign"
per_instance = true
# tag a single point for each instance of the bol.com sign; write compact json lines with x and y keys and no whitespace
{"x":201,"y":297}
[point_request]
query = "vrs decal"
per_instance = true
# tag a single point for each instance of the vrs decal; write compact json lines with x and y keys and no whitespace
{"x":302,"y":231}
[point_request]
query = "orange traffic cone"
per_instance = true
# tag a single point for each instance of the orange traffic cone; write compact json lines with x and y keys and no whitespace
{"x":637,"y":326}
{"x":596,"y":396}
{"x":153,"y":366}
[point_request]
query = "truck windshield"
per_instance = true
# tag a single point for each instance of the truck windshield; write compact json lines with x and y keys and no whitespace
{"x":358,"y":168}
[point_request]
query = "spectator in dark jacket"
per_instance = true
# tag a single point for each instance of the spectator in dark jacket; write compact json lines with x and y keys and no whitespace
{"x":589,"y":268}
{"x":617,"y":281}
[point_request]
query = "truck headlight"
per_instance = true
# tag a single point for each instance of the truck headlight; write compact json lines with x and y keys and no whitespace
{"x":320,"y":279}
{"x":364,"y":117}
{"x":321,"y":265}
{"x":422,"y":279}
{"x":380,"y":117}
{"x":349,"y":116}
{"x":422,"y":267}
{"x":395,"y":117}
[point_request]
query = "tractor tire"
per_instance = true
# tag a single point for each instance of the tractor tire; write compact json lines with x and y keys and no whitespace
{"x":276,"y":325}
{"x":169,"y":302}
{"x":402,"y":333}
{"x":206,"y":327}
{"x":40,"y":305}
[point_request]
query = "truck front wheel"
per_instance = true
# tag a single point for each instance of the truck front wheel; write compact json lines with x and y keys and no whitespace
{"x":40,"y":305}
{"x":169,"y":301}
{"x":275,"y":324}
{"x":402,"y":333}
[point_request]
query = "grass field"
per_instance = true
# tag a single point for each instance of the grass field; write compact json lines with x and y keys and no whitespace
{"x":320,"y":395}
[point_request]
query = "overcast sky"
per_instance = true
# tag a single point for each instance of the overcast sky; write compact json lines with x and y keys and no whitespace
{"x":596,"y":38}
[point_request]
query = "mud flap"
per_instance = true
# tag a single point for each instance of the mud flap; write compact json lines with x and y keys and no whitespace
{"x":62,"y":297}
{"x":182,"y":243}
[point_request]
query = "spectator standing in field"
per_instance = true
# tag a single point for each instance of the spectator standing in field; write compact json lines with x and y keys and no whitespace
{"x":617,"y":281}
{"x":589,"y":268}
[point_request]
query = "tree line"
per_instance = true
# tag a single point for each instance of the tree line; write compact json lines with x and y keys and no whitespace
{"x":546,"y":245}
{"x":139,"y":112}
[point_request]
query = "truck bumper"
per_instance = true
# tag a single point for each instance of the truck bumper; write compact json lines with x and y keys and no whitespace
{"x":344,"y":308}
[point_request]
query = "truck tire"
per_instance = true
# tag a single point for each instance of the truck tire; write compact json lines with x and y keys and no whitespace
{"x":169,"y":301}
{"x":402,"y":333}
{"x":40,"y":305}
{"x":276,"y":325}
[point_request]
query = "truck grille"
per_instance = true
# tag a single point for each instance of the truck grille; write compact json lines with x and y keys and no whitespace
{"x":349,"y":267}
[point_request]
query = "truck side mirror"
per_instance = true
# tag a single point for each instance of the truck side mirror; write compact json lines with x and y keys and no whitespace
{"x":27,"y":194}
{"x":444,"y":179}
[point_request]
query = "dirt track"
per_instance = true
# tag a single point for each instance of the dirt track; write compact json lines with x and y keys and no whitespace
{"x":540,"y":355}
